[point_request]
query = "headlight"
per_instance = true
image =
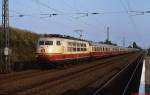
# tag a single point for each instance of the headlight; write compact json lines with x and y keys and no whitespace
{"x":42,"y":50}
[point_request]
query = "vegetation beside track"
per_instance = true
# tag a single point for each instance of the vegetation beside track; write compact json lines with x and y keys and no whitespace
{"x":23,"y":46}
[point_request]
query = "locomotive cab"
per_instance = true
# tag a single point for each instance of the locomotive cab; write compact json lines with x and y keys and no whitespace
{"x":49,"y":46}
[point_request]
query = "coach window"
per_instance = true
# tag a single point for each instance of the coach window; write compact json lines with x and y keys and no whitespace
{"x":109,"y":49}
{"x":103,"y":49}
{"x":82,"y":49}
{"x":78,"y":44}
{"x":95,"y":49}
{"x":58,"y":43}
{"x":69,"y":49}
{"x":74,"y":49}
{"x":48,"y":42}
{"x":74,"y":44}
{"x":100,"y":49}
{"x":106,"y":49}
{"x":69,"y":43}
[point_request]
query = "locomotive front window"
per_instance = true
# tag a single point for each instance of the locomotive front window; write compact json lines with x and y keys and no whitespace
{"x":41,"y":42}
{"x":48,"y":42}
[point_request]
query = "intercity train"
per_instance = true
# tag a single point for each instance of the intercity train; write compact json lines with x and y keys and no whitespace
{"x":59,"y":48}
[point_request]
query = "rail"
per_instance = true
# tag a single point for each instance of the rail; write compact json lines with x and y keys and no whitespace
{"x":120,"y":83}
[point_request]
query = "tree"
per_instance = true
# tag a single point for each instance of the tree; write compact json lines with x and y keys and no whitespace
{"x":136,"y":46}
{"x":109,"y":43}
{"x":148,"y":51}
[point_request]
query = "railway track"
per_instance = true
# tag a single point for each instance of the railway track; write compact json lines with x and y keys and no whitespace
{"x":71,"y":79}
{"x":76,"y":83}
{"x":24,"y":74}
{"x":129,"y":84}
{"x":15,"y":74}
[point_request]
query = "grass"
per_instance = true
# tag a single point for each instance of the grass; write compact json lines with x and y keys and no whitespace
{"x":23,"y":47}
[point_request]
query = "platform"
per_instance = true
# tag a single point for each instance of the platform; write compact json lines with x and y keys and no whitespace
{"x":147,"y":74}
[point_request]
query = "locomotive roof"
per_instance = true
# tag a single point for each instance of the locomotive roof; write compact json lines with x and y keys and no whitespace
{"x":63,"y":36}
{"x":101,"y":44}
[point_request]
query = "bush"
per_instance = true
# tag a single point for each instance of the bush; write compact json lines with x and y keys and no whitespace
{"x":22,"y":44}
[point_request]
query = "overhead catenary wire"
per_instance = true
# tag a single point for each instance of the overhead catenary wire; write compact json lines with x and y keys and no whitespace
{"x":58,"y":12}
{"x":137,"y":13}
{"x":78,"y":14}
{"x":131,"y":19}
{"x":83,"y":14}
{"x":47,"y":6}
{"x":61,"y":12}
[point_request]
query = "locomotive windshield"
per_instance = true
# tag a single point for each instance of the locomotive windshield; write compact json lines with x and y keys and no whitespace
{"x":48,"y":42}
{"x":41,"y":42}
{"x":45,"y":42}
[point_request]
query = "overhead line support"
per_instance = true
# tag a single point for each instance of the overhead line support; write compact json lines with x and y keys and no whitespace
{"x":5,"y":51}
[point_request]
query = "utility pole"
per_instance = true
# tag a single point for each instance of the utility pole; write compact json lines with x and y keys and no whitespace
{"x":5,"y":30}
{"x":124,"y":42}
{"x":107,"y":33}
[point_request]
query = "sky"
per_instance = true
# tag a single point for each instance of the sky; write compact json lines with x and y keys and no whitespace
{"x":124,"y":18}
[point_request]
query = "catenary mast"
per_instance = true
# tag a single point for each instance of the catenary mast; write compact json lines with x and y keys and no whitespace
{"x":5,"y":51}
